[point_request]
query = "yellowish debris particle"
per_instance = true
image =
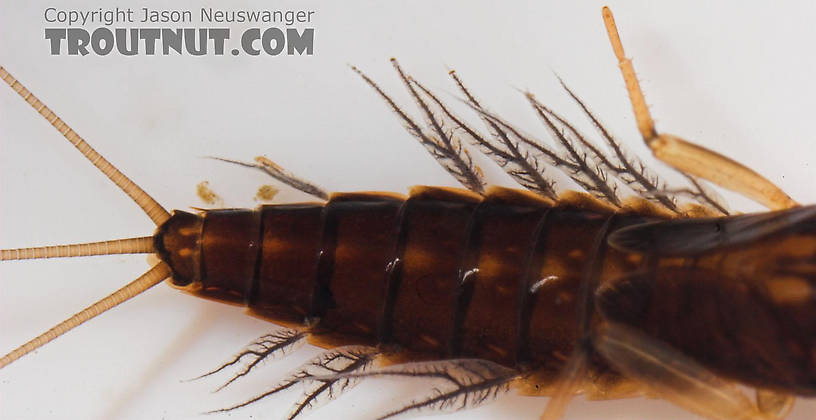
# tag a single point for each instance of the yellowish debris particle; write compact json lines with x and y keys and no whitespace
{"x":266,"y":193}
{"x":207,"y":195}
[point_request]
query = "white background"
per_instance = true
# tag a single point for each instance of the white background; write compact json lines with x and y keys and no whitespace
{"x":735,"y":77}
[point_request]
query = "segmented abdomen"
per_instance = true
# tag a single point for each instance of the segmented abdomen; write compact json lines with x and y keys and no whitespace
{"x":443,"y":273}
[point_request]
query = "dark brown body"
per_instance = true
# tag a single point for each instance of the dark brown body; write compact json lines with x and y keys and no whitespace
{"x":737,"y":294}
{"x":445,"y":274}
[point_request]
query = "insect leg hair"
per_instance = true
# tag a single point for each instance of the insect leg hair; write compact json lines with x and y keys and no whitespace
{"x":687,"y":157}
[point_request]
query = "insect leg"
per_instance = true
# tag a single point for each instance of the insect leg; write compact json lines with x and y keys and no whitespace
{"x":774,"y":404}
{"x":570,"y":382}
{"x":688,"y":157}
{"x":572,"y":375}
{"x":673,"y":375}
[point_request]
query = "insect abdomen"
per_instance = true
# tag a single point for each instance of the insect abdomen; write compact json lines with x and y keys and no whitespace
{"x":443,"y":273}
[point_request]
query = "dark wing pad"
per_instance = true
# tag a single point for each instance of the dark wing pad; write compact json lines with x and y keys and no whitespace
{"x":686,"y":237}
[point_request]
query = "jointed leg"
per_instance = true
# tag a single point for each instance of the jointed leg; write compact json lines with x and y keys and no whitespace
{"x":688,"y":157}
{"x":774,"y":404}
{"x":673,"y":375}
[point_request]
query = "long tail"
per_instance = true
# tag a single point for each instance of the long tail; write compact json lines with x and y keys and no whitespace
{"x":152,"y":208}
{"x":156,"y":212}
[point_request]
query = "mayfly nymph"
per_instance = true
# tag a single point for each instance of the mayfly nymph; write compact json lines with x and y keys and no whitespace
{"x":548,"y":292}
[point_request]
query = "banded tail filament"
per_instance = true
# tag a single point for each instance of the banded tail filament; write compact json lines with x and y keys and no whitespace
{"x":380,"y":77}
